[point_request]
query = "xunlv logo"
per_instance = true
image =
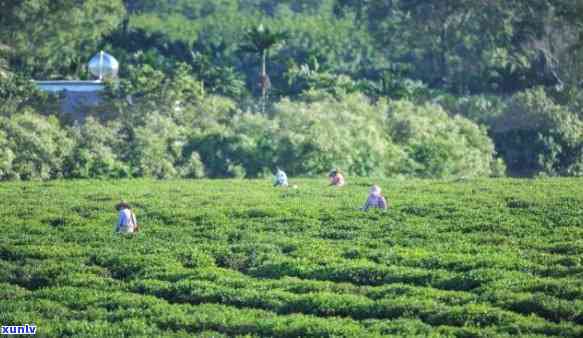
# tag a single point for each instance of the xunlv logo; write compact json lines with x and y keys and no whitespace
{"x":19,"y":329}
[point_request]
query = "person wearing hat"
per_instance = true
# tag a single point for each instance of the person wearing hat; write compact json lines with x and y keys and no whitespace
{"x":127,"y":222}
{"x":375,"y":199}
{"x":336,"y":178}
{"x":280,"y":179}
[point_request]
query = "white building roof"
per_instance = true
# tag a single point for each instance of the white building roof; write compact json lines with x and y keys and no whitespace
{"x":71,"y":86}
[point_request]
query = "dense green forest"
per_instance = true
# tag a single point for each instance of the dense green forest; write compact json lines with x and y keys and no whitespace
{"x":233,"y":88}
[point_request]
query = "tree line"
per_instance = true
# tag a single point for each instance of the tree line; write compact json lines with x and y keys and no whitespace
{"x":233,"y":88}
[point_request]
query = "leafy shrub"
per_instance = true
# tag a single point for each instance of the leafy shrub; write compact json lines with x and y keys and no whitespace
{"x":536,"y":136}
{"x":195,"y":136}
{"x":196,"y":259}
{"x":156,"y":148}
{"x":192,"y":167}
{"x":312,"y":138}
{"x":6,"y":158}
{"x":36,"y":147}
{"x":432,"y":144}
{"x":480,"y":109}
{"x":96,"y":152}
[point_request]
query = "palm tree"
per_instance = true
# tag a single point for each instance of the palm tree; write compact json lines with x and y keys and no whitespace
{"x":260,"y":40}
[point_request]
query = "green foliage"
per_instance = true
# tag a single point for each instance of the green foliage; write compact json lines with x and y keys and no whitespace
{"x":302,"y":263}
{"x":186,"y":75}
{"x":35,"y":147}
{"x":314,"y":137}
{"x":461,"y":47}
{"x":398,"y":49}
{"x":69,"y":34}
{"x":6,"y":157}
{"x":96,"y":152}
{"x":157,"y":146}
{"x":170,"y":130}
{"x":149,"y":90}
{"x":435,"y":145}
{"x":315,"y":84}
{"x":536,"y":136}
{"x":261,"y":38}
{"x":192,"y":167}
{"x":18,"y":93}
{"x":481,"y":109}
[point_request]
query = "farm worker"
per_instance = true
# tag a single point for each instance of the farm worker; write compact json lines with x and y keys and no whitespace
{"x":280,"y":179}
{"x":127,"y":222}
{"x":375,"y":199}
{"x":336,"y":178}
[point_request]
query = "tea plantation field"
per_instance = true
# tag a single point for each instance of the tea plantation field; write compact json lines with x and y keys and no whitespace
{"x":464,"y":258}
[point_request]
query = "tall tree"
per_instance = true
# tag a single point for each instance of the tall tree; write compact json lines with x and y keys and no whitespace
{"x":54,"y":38}
{"x":473,"y":46}
{"x":260,"y":40}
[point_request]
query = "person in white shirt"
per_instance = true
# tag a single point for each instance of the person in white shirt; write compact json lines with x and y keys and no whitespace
{"x":280,"y":179}
{"x":126,"y":222}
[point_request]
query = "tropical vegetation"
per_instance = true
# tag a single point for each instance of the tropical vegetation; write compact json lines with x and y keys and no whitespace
{"x":233,"y":88}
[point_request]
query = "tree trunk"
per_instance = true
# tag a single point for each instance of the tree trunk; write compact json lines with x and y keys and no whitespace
{"x":264,"y":62}
{"x":263,"y":74}
{"x":263,"y":80}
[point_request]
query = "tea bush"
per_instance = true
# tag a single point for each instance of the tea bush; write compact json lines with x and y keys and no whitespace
{"x":469,"y":258}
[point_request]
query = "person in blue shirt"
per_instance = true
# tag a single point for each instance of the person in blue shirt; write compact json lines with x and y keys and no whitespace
{"x":126,"y":222}
{"x":375,"y":199}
